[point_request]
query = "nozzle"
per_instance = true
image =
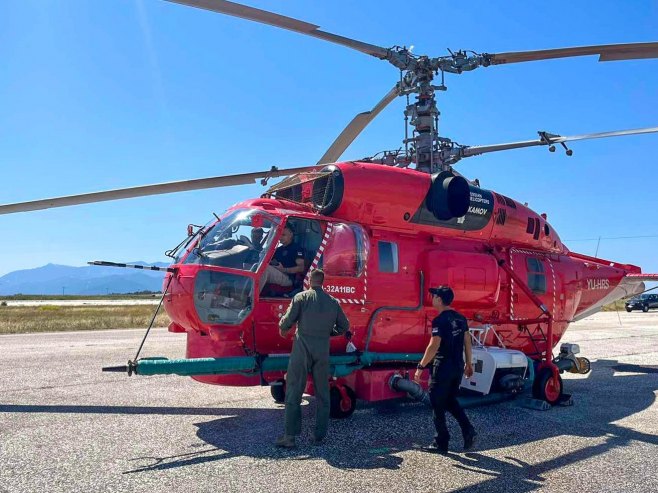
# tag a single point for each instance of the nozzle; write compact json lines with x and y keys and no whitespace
{"x":130,"y":368}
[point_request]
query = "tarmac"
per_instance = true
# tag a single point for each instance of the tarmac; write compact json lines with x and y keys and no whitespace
{"x":67,"y":427}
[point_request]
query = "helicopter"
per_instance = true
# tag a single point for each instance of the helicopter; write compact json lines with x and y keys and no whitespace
{"x":384,"y":229}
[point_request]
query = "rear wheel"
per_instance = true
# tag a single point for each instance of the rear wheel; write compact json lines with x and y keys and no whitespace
{"x":629,"y":310}
{"x":342,"y":406}
{"x":546,"y":387}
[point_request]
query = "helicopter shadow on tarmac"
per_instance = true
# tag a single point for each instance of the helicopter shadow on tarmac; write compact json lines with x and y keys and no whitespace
{"x":375,"y":435}
{"x":614,"y":391}
{"x":251,"y":433}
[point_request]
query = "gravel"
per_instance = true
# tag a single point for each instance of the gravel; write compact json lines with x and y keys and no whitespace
{"x":65,"y":426}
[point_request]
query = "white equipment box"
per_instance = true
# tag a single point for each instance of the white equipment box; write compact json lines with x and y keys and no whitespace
{"x":488,"y":361}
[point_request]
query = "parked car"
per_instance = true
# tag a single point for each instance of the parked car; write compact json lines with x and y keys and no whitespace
{"x":643,"y":302}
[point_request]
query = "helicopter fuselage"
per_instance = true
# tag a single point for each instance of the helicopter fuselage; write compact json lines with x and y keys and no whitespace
{"x":380,"y":249}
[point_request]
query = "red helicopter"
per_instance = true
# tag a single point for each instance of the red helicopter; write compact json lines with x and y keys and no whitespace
{"x":384,"y":229}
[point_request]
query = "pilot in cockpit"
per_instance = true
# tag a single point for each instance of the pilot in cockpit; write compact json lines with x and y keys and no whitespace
{"x":257,"y":235}
{"x":256,"y":246}
{"x":287,"y":263}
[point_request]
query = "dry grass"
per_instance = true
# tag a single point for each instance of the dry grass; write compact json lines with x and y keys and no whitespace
{"x":42,"y":297}
{"x":52,"y":318}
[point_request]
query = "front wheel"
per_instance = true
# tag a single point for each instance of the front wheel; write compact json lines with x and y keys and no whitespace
{"x":645,"y":308}
{"x":342,"y":406}
{"x":547,"y":387}
{"x":629,"y":310}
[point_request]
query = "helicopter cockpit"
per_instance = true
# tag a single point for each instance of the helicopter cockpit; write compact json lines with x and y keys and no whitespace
{"x":242,"y":240}
{"x":239,"y":241}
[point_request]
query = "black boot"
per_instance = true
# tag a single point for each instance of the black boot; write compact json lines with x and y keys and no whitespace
{"x":469,"y":439}
{"x":436,"y":448}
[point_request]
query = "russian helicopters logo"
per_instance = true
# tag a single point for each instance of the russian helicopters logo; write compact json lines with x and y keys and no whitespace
{"x":598,"y":284}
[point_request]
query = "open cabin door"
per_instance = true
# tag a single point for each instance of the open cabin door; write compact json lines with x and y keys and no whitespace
{"x":341,"y":250}
{"x":274,"y":299}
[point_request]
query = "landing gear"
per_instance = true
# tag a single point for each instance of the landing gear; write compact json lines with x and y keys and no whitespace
{"x":547,"y":387}
{"x":278,"y":390}
{"x":343,"y":401}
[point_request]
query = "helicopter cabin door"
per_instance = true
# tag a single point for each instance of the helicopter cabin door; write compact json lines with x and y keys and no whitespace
{"x":341,"y":250}
{"x":538,"y":272}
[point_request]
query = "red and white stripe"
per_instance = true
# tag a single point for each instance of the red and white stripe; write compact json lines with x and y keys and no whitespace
{"x":550,"y":263}
{"x":365,"y":282}
{"x":318,"y":254}
{"x":511,"y":289}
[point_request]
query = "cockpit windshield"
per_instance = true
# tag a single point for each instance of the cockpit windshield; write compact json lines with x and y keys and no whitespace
{"x":239,"y":241}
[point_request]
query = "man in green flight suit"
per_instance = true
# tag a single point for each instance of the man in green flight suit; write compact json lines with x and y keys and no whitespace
{"x":318,"y":317}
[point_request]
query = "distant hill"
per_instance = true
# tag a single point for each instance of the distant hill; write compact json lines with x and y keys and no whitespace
{"x":89,"y":280}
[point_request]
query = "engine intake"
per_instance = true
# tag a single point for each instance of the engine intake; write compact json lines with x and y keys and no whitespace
{"x":449,"y":196}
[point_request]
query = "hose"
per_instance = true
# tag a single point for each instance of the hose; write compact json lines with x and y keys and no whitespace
{"x":414,"y":390}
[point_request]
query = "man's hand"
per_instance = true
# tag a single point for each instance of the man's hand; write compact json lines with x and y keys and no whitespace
{"x":417,"y":375}
{"x":283,"y":333}
{"x":279,"y":266}
{"x":468,"y":370}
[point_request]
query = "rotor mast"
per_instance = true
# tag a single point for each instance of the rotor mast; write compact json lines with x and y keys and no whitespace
{"x":429,"y":152}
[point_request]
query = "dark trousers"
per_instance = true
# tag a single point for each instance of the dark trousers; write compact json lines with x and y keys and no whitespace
{"x":444,"y":387}
{"x":308,"y":356}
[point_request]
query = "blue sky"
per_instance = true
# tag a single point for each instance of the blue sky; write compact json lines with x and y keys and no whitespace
{"x":100,"y":95}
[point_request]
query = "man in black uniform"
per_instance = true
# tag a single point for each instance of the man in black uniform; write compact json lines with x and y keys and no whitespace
{"x":450,"y":339}
{"x":288,"y":261}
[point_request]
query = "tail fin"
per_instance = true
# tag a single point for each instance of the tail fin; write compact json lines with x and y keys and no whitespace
{"x":630,"y":285}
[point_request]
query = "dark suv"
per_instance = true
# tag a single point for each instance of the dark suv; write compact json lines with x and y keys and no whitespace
{"x":642,"y":302}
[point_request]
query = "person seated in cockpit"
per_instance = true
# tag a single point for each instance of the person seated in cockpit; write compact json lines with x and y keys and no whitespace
{"x":257,"y":238}
{"x":288,"y":261}
{"x":256,"y":246}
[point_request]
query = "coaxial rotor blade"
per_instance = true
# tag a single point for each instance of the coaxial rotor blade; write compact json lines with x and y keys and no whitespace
{"x":607,"y":53}
{"x":355,"y":127}
{"x":162,"y":188}
{"x":265,"y":17}
{"x":550,"y":139}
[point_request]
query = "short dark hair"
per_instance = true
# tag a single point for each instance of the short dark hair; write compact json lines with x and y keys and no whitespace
{"x":317,"y":276}
{"x":445,"y":293}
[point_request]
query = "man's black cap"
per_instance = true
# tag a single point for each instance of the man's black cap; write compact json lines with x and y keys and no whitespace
{"x":444,"y":292}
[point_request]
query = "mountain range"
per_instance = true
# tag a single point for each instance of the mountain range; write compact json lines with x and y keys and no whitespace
{"x":64,"y":279}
